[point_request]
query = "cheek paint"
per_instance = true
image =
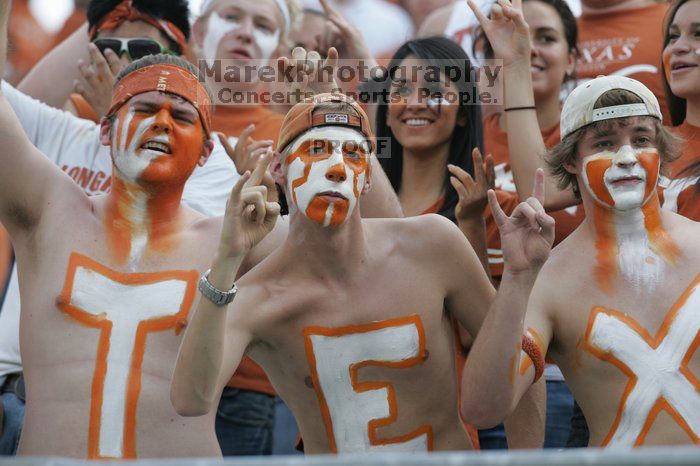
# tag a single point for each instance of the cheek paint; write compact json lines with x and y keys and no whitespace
{"x":129,"y":160}
{"x":309,"y":175}
{"x":594,"y":168}
{"x":353,"y":410}
{"x":267,"y":42}
{"x":666,"y":58}
{"x":657,"y":366}
{"x":217,"y":29}
{"x":651,"y":162}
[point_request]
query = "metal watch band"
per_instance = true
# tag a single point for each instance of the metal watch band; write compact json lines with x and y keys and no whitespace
{"x":213,"y":294}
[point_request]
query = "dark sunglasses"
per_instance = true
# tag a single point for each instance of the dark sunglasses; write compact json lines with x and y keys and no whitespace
{"x":133,"y":48}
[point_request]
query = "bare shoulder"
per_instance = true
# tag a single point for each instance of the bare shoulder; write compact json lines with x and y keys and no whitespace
{"x":429,"y":238}
{"x":436,"y":23}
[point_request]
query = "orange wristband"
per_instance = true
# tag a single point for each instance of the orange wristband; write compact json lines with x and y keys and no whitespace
{"x":535,"y":354}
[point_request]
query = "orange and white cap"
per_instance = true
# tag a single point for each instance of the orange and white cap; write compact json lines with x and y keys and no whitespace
{"x":578,"y":108}
{"x":305,"y":115}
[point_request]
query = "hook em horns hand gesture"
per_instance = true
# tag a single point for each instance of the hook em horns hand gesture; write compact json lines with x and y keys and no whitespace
{"x":249,"y":216}
{"x":527,"y":235}
{"x":506,"y":30}
{"x":307,"y":74}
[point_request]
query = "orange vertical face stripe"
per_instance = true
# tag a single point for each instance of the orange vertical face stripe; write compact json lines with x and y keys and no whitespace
{"x":100,"y":322}
{"x":360,"y":387}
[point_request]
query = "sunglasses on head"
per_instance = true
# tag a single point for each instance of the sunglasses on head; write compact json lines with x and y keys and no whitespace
{"x":133,"y":48}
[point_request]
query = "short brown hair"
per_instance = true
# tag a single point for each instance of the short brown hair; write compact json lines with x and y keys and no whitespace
{"x":565,"y":153}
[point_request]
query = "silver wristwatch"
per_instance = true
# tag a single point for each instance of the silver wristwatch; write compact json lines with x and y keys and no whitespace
{"x":213,"y":294}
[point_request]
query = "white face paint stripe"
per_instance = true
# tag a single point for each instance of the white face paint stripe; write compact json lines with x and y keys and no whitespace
{"x":317,"y":181}
{"x":128,"y":159}
{"x":125,"y":307}
{"x":656,"y":365}
{"x":218,"y":28}
{"x":350,"y":409}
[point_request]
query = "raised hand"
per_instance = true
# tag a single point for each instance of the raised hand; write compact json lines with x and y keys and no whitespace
{"x":473,"y":193}
{"x":247,"y":151}
{"x":306,"y":74}
{"x":246,"y":156}
{"x":97,"y":79}
{"x":249,"y":215}
{"x":506,"y":30}
{"x":527,"y":235}
{"x":342,"y":35}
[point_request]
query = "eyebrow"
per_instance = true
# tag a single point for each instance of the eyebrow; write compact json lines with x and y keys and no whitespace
{"x":546,"y":29}
{"x":692,"y":26}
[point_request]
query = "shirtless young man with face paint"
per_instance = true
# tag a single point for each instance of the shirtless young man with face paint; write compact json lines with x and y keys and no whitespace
{"x":108,"y":282}
{"x":617,"y":305}
{"x":352,"y":319}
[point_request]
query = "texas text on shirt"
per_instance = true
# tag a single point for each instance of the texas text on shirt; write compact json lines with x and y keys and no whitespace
{"x":624,"y":43}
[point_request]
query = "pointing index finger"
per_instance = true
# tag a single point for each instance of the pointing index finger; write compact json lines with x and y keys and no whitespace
{"x":477,"y":12}
{"x":538,"y":188}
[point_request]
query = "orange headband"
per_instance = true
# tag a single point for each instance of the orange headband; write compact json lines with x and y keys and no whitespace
{"x":164,"y":78}
{"x":125,"y":12}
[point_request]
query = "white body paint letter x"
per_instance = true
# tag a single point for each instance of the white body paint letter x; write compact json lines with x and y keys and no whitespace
{"x":658,"y":370}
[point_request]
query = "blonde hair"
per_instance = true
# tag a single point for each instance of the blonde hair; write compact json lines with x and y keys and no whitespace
{"x":295,"y":15}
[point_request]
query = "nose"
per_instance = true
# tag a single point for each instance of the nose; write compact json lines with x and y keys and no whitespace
{"x":681,"y":46}
{"x":625,"y":157}
{"x":162,"y":122}
{"x":337,"y":173}
{"x":534,"y":49}
{"x":245,"y":30}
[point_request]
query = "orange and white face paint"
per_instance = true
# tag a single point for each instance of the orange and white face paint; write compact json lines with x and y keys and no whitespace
{"x":153,"y":146}
{"x":353,"y":410}
{"x":624,"y":180}
{"x":326,"y":173}
{"x":631,"y":239}
{"x":125,"y":308}
{"x":657,"y":367}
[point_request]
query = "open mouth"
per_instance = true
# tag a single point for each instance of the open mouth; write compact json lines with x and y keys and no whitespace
{"x":415,"y":122}
{"x":536,"y":68}
{"x":157,"y":146}
{"x":679,"y":66}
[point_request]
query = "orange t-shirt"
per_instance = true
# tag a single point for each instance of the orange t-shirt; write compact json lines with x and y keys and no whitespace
{"x":85,"y":110}
{"x":496,"y":144}
{"x":626,"y":43}
{"x":5,"y":259}
{"x":685,"y":198}
{"x":232,"y":120}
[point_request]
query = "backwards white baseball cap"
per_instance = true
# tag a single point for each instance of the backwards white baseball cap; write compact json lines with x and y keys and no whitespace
{"x":578,"y":108}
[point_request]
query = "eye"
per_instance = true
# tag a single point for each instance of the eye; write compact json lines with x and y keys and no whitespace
{"x":643,"y":141}
{"x":265,"y":28}
{"x":400,"y":88}
{"x":603,"y":144}
{"x":673,"y":36}
{"x":318,"y":148}
{"x":352,"y":150}
{"x":230,"y":16}
{"x":546,"y":39}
